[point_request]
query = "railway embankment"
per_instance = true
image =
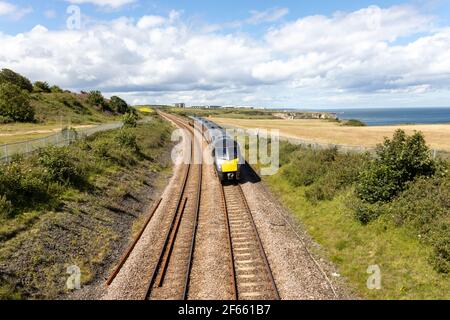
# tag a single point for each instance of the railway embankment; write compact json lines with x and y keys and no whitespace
{"x":74,"y":208}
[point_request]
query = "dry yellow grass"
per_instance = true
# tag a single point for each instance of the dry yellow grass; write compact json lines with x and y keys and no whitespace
{"x":437,"y":135}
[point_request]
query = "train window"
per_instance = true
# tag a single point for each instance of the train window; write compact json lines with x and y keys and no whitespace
{"x":227,"y":149}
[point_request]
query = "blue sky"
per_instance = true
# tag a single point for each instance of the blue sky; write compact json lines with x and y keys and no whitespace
{"x":311,"y":54}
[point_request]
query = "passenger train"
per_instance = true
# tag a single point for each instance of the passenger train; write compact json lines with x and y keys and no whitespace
{"x":228,"y":159}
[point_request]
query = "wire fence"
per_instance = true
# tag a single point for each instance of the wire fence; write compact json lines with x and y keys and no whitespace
{"x":62,"y":138}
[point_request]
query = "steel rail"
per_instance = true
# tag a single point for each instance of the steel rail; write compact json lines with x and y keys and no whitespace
{"x":260,"y":245}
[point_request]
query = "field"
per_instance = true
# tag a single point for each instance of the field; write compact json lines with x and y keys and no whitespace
{"x":437,"y":136}
{"x":15,"y":132}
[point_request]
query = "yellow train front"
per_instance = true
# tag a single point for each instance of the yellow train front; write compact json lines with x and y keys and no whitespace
{"x":227,"y":158}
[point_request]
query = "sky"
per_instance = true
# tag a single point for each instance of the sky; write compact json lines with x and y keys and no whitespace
{"x":280,"y":54}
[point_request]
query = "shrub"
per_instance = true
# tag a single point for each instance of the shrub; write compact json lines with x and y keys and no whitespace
{"x":399,"y":160}
{"x":24,"y":185}
{"x":15,"y":103}
{"x":56,"y":89}
{"x":365,"y":212}
{"x":61,"y":165}
{"x":130,"y":120}
{"x":308,"y":165}
{"x":6,"y":207}
{"x":118,"y":105}
{"x":128,"y":140}
{"x":441,"y":249}
{"x":5,"y":119}
{"x":95,"y":99}
{"x":9,"y":76}
{"x":41,"y":86}
{"x":354,"y":123}
{"x":339,"y":174}
{"x":425,"y":201}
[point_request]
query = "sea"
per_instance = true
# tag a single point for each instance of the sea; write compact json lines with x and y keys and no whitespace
{"x":395,"y":116}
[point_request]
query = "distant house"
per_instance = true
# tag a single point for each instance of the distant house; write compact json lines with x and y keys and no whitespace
{"x":180,"y":105}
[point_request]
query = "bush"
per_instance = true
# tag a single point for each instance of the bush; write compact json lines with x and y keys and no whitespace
{"x":15,"y":103}
{"x":365,"y":212}
{"x":128,"y":140}
{"x":41,"y":86}
{"x":62,"y":166}
{"x":308,"y":165}
{"x":24,"y":185}
{"x":399,"y":160}
{"x":95,"y":99}
{"x":4,"y":119}
{"x":118,"y":105}
{"x":56,"y":89}
{"x":130,"y":120}
{"x":6,"y":208}
{"x":9,"y":76}
{"x":354,"y":123}
{"x":441,"y":249}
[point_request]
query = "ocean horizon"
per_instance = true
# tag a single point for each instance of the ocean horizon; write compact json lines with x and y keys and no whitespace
{"x":394,"y":116}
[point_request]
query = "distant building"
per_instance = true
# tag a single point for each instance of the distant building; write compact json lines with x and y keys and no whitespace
{"x":180,"y":105}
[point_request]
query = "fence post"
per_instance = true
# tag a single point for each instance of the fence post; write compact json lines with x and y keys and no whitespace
{"x":6,"y":152}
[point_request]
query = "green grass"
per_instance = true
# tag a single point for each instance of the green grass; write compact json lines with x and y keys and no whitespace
{"x":406,"y":272}
{"x":68,"y":107}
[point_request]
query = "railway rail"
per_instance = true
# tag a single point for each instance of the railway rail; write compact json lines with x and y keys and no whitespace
{"x":251,"y":275}
{"x":171,"y":274}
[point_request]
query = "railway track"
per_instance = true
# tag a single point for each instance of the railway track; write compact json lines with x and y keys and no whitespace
{"x":171,"y":274}
{"x":251,"y":276}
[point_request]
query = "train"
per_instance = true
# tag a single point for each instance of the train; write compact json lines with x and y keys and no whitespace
{"x":226,"y":152}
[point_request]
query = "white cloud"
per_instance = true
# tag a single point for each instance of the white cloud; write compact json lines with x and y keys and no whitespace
{"x":104,"y":3}
{"x":150,"y":21}
{"x":270,"y":15}
{"x":342,"y":59}
{"x":13,"y":11}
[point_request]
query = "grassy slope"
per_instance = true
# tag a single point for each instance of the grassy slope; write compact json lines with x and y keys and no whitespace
{"x":406,"y":274}
{"x":89,"y":226}
{"x":53,"y":111}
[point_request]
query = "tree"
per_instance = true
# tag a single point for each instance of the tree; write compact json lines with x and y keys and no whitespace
{"x":95,"y":99}
{"x":398,"y":161}
{"x":41,"y":86}
{"x":118,"y":105}
{"x":15,"y":103}
{"x":7,"y":75}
